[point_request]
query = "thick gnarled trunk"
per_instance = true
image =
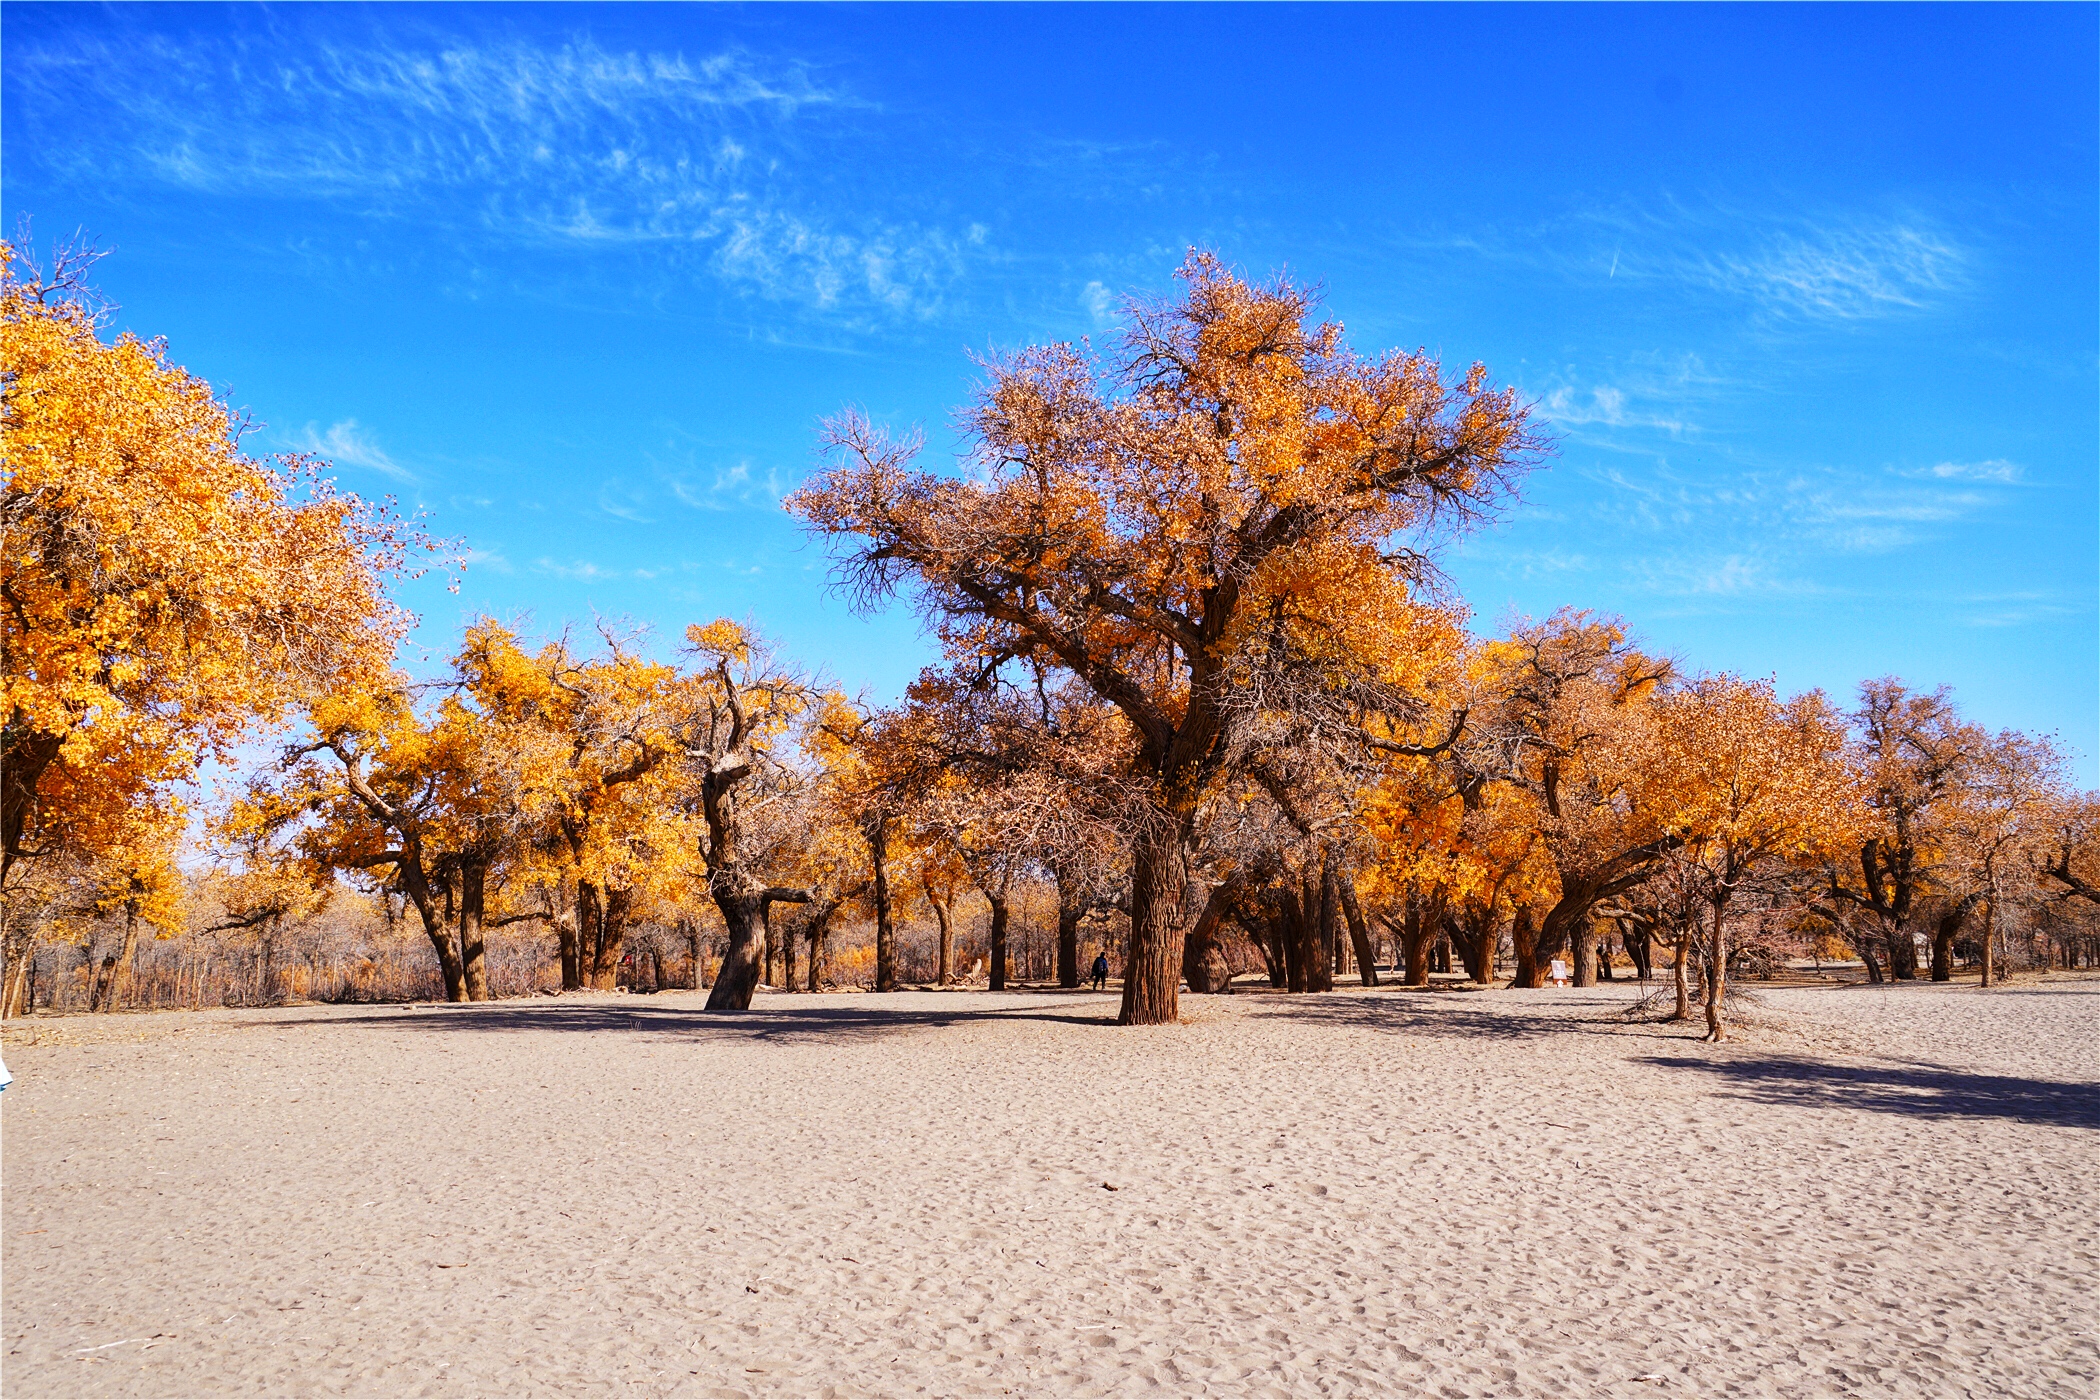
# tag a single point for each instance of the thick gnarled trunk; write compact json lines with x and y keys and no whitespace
{"x":743,"y":913}
{"x":1068,"y":943}
{"x":1152,"y":968}
{"x":613,"y":911}
{"x":1203,"y":963}
{"x":1583,"y":934}
{"x":1532,"y":954}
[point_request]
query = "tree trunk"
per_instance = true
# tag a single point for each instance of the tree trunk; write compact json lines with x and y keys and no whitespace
{"x":1561,"y":924}
{"x":1683,"y":974}
{"x":1476,"y":934}
{"x":18,"y":942}
{"x":473,"y":897}
{"x":440,"y":938}
{"x":1464,"y":933}
{"x":1635,"y":936}
{"x":613,"y":910}
{"x":1329,"y":955}
{"x":115,"y":974}
{"x":1267,"y":935}
{"x":1531,"y":959}
{"x":1292,"y":921}
{"x":878,"y":834}
{"x":1990,"y":942}
{"x":944,"y":915}
{"x":1945,"y":932}
{"x":1717,"y":974}
{"x":1203,"y":962}
{"x":743,"y":913}
{"x":1152,"y":965}
{"x":576,"y":958}
{"x":1584,"y":936}
{"x":1416,"y":934}
{"x":1359,"y":932}
{"x":819,"y":935}
{"x":997,"y":950}
{"x":787,"y":955}
{"x":98,"y":990}
{"x":691,"y":929}
{"x":1903,"y":954}
{"x":1068,"y":942}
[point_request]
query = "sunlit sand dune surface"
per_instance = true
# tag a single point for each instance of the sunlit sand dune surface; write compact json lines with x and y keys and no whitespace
{"x":1877,"y":1191}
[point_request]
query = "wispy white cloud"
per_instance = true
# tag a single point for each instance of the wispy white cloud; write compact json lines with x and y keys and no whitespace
{"x":1604,"y":405}
{"x":729,"y":487}
{"x":1831,"y":264}
{"x":576,"y":571}
{"x":346,"y":444}
{"x":1844,"y":271}
{"x":1099,"y":302}
{"x":1722,"y":576}
{"x":1996,"y":472}
{"x":569,"y":145}
{"x":618,"y":499}
{"x":491,"y":559}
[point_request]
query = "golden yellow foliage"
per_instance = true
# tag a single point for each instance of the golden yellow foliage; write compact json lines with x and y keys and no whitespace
{"x":163,"y":590}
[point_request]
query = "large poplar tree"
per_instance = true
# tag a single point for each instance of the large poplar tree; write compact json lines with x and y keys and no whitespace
{"x":1142,"y":520}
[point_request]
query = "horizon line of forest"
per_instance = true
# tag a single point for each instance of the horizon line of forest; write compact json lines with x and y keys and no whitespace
{"x":1204,"y":698}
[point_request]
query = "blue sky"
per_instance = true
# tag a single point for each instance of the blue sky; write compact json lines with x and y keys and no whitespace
{"x":1808,"y":294}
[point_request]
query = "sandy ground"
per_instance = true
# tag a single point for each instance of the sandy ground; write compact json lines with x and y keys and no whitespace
{"x":1876,"y":1192}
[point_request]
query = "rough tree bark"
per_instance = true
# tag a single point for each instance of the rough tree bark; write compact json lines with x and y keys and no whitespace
{"x":878,"y":837}
{"x":473,"y":943}
{"x":1634,"y":936}
{"x":1071,"y":909}
{"x":744,"y":904}
{"x":1152,"y":967}
{"x":1683,"y":973}
{"x":1359,"y":932}
{"x":1532,"y":954}
{"x":613,"y":909}
{"x":1474,"y":934}
{"x":1946,"y":931}
{"x":435,"y":929}
{"x":944,"y":915}
{"x":818,"y":933}
{"x":1583,"y":934}
{"x":1203,"y":963}
{"x":1323,"y":904}
{"x":996,"y":940}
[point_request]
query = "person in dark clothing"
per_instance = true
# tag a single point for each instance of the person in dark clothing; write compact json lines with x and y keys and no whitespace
{"x":1100,"y":971}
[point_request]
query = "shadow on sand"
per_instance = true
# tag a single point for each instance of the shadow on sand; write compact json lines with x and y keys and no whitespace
{"x":1917,"y":1090}
{"x":1416,"y":1011}
{"x":638,"y":1015}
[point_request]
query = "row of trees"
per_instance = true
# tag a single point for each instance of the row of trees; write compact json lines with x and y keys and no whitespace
{"x":1201,"y":679}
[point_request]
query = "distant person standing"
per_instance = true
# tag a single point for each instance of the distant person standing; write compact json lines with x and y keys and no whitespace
{"x":1100,"y":971}
{"x":1559,"y":973}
